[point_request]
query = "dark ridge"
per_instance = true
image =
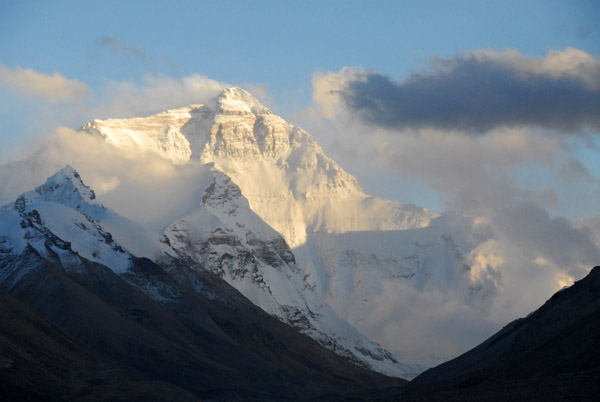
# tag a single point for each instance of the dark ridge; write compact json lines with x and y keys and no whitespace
{"x":89,"y":334}
{"x":551,"y":355}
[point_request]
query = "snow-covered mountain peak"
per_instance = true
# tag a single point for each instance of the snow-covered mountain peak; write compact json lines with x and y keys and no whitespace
{"x":233,"y":125}
{"x":237,"y":100}
{"x":68,"y":176}
{"x":64,"y":187}
{"x":280,"y":169}
{"x":62,"y":217}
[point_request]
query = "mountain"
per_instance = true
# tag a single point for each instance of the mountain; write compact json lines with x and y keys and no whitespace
{"x":254,"y":199}
{"x":69,"y":210}
{"x":282,"y":172}
{"x":269,"y":189}
{"x":553,"y":354}
{"x":327,"y":251}
{"x":85,"y":319}
{"x":228,"y":238}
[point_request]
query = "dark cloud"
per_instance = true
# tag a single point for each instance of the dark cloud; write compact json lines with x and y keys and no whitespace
{"x":475,"y":95}
{"x":119,"y":46}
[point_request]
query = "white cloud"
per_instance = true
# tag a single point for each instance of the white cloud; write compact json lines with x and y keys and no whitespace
{"x":570,"y":62}
{"x":425,"y":326}
{"x":140,"y":185}
{"x":157,"y":93}
{"x":51,"y":88}
{"x":328,"y":87}
{"x":116,"y":100}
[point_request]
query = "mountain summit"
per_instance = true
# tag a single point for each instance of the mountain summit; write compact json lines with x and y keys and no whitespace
{"x":282,"y":171}
{"x":65,"y":187}
{"x":236,"y":99}
{"x":267,"y":174}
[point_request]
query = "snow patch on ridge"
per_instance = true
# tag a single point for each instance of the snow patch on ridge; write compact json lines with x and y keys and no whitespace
{"x":64,"y":187}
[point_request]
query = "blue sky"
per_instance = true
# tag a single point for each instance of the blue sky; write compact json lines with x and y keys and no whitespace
{"x":277,"y":47}
{"x":279,"y":43}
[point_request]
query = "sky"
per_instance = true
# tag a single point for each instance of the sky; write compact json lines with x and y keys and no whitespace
{"x":490,"y":110}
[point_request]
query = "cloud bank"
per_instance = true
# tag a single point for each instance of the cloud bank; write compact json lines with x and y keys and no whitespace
{"x":50,"y":88}
{"x":474,"y":92}
{"x":483,"y":133}
{"x":157,"y":93}
{"x":140,"y":185}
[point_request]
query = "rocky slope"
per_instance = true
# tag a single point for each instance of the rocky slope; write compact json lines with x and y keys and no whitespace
{"x":561,"y":336}
{"x":228,"y":238}
{"x":553,"y":354}
{"x":133,"y":327}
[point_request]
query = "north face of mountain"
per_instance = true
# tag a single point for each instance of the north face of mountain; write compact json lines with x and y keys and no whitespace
{"x":285,"y":175}
{"x":285,"y":181}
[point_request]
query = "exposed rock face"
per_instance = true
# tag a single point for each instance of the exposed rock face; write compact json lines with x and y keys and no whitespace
{"x":228,"y":238}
